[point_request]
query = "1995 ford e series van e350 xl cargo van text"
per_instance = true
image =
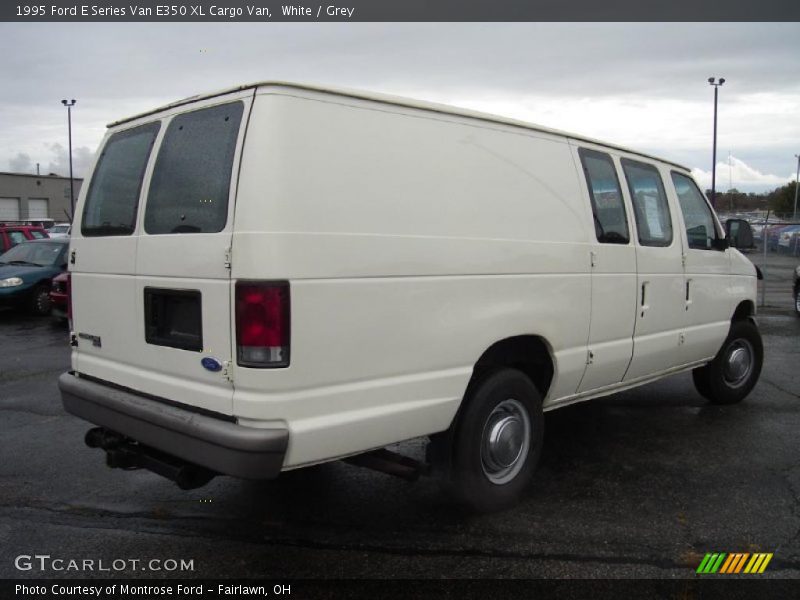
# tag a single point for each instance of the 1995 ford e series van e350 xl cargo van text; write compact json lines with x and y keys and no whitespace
{"x":280,"y":275}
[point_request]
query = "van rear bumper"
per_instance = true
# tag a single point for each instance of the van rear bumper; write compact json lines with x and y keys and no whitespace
{"x":219,"y":445}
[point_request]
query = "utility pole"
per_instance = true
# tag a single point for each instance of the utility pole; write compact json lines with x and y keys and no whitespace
{"x":69,"y":106}
{"x":716,"y":84}
{"x":796,"y":185}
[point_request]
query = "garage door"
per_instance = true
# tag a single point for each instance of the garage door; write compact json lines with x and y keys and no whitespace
{"x":9,"y":209}
{"x":37,"y":208}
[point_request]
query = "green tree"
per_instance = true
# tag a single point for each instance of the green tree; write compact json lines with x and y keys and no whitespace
{"x":781,"y":200}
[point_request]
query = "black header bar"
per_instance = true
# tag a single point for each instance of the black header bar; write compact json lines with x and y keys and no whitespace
{"x":734,"y":588}
{"x":399,"y":11}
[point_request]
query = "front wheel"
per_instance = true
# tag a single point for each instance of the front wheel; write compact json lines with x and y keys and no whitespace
{"x":797,"y":301}
{"x":735,"y":369}
{"x":40,"y":303}
{"x":496,"y":442}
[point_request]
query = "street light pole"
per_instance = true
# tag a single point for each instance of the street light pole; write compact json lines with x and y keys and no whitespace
{"x":716,"y":85}
{"x":69,"y":106}
{"x":796,"y":185}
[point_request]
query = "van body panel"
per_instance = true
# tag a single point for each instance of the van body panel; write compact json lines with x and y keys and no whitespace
{"x":743,"y":283}
{"x":380,"y":245}
{"x":322,"y":151}
{"x":419,"y":350}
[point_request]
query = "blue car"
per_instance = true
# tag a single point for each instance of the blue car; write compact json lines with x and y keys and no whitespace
{"x":26,"y":271}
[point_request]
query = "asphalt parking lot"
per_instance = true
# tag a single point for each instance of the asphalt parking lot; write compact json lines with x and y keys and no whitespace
{"x":640,"y":484}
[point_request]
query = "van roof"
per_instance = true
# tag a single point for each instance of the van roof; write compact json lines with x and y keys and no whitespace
{"x":399,"y":101}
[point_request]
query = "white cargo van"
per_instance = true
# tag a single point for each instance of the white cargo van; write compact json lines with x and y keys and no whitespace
{"x":280,"y":275}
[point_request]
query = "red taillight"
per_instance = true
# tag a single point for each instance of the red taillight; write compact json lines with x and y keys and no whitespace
{"x":262,"y":324}
{"x":68,"y":290}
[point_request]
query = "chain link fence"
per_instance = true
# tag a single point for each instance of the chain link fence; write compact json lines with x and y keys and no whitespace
{"x":777,"y":254}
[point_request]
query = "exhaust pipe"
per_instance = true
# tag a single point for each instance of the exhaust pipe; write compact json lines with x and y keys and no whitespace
{"x":97,"y":437}
{"x":124,"y":453}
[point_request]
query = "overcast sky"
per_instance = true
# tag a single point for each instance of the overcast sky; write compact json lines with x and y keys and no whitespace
{"x":640,"y":85}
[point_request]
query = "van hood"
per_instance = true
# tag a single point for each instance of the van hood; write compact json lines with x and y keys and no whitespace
{"x":741,"y":265}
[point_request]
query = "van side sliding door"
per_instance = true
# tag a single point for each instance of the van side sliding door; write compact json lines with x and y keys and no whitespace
{"x":660,"y":307}
{"x":613,"y":259}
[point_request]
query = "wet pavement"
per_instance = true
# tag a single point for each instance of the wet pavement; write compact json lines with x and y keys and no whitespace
{"x":639,"y":484}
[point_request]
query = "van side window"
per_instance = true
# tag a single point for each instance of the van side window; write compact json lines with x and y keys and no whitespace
{"x":608,"y":208}
{"x":650,"y":206}
{"x":192,"y":176}
{"x":113,"y":197}
{"x":700,"y":229}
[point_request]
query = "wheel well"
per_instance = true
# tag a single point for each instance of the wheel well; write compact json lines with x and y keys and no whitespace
{"x":527,"y":353}
{"x":744,"y":311}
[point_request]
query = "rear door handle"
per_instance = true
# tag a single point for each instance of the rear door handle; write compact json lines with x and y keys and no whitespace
{"x":645,"y":306}
{"x":688,"y":293}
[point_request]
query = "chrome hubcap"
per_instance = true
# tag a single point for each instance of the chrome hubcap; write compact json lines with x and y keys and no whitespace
{"x":505,"y":443}
{"x":739,"y":363}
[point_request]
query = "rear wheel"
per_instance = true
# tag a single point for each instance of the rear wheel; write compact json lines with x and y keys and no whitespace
{"x":735,"y":370}
{"x":496,"y":442}
{"x":797,"y":300}
{"x":40,"y":303}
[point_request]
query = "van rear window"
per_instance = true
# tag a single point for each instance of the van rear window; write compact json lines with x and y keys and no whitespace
{"x":192,"y":176}
{"x":113,"y":197}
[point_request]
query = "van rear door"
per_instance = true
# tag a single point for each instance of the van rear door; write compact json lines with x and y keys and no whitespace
{"x":177,"y":308}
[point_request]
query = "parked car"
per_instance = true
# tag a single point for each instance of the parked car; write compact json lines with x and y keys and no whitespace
{"x":59,"y":230}
{"x":788,"y":239}
{"x":26,"y":271}
{"x":392,"y":269}
{"x":13,"y":234}
{"x":774,"y":233}
{"x":59,"y":297}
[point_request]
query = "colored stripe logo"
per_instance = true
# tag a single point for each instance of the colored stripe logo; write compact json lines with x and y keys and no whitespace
{"x":734,"y":563}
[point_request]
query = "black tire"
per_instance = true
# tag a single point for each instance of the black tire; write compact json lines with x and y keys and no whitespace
{"x":735,"y":369}
{"x":488,"y":477}
{"x":39,"y":302}
{"x":797,"y":301}
{"x":701,"y":383}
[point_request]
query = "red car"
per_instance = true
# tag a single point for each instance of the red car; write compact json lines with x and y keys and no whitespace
{"x":13,"y":234}
{"x":59,"y":297}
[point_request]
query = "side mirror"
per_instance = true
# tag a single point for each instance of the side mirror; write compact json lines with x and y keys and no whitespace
{"x":739,"y":234}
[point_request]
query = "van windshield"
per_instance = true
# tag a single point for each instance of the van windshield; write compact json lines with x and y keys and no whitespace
{"x":113,"y":197}
{"x":192,"y":175}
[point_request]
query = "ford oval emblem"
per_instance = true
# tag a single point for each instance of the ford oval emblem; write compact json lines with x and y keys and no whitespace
{"x":211,"y":364}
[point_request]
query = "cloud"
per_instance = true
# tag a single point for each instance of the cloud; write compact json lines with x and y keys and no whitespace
{"x":21,"y":163}
{"x":740,"y":176}
{"x":641,"y":85}
{"x":59,"y":164}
